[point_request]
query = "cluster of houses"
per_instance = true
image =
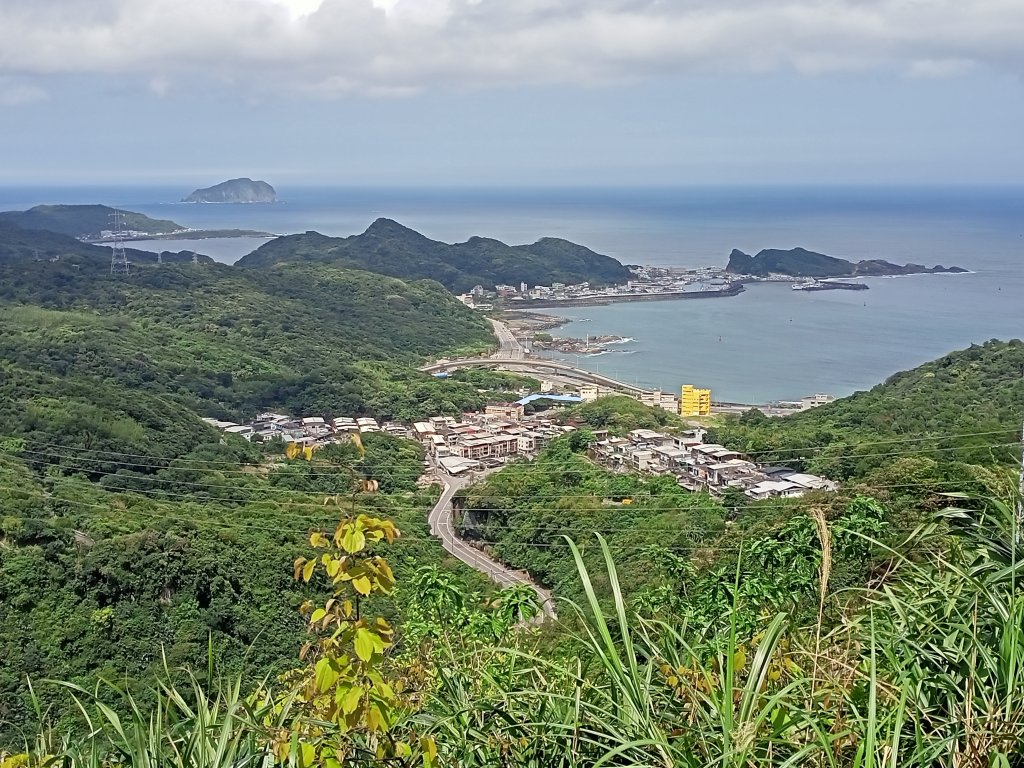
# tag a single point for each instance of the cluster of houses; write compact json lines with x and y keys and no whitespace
{"x":475,"y":441}
{"x":700,"y":466}
{"x":485,"y":439}
{"x":503,"y":431}
{"x":312,"y":430}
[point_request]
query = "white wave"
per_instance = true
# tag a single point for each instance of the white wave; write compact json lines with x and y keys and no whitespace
{"x":624,"y":340}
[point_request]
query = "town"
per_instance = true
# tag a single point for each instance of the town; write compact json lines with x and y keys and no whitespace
{"x":648,"y":283}
{"x":504,"y":432}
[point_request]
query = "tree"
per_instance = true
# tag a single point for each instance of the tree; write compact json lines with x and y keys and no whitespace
{"x":344,"y":711}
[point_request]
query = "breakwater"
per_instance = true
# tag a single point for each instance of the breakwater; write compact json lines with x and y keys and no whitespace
{"x":732,"y":289}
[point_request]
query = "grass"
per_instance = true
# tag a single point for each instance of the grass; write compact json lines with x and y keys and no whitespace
{"x":925,"y":668}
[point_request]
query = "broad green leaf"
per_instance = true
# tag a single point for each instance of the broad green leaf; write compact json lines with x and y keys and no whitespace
{"x":326,"y":674}
{"x":353,"y":540}
{"x":350,"y":703}
{"x":364,"y":643}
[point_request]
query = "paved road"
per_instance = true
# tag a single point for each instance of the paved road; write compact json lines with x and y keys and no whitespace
{"x":440,"y":520}
{"x":509,"y":346}
{"x":537,"y":367}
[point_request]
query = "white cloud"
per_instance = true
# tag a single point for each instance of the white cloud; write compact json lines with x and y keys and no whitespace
{"x":327,"y":47}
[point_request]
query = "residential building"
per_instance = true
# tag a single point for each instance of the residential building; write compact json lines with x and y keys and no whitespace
{"x":694,"y":401}
{"x":514,"y":411}
{"x":667,"y":401}
{"x":813,"y":401}
{"x":490,"y":447}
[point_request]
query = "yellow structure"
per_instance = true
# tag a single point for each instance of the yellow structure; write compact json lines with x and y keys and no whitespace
{"x":694,"y":401}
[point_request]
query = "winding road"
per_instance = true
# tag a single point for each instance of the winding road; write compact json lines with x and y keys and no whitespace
{"x":440,"y":520}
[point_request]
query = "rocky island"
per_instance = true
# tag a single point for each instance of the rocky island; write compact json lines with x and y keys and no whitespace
{"x":799,"y":262}
{"x":242,"y":190}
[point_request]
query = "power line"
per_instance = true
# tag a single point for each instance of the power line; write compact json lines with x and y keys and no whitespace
{"x":286,"y":508}
{"x":301,"y":535}
{"x":181,"y":463}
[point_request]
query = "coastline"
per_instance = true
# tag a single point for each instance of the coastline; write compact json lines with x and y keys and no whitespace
{"x":734,"y":289}
{"x":191,"y":234}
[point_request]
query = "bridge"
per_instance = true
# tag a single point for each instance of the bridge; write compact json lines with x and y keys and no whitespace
{"x":538,"y":367}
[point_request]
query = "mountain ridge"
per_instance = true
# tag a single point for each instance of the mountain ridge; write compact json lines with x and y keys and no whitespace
{"x":391,"y":248}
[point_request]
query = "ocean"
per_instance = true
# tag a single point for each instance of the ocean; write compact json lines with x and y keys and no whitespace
{"x":769,"y":343}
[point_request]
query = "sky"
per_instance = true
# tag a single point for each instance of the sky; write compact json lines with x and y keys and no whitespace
{"x":512,"y":92}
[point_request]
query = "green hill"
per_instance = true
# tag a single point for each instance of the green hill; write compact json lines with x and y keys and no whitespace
{"x":389,"y":248}
{"x":800,"y":262}
{"x":85,"y":221}
{"x":28,"y":245}
{"x":966,"y":406}
{"x":188,"y":340}
{"x":128,"y":526}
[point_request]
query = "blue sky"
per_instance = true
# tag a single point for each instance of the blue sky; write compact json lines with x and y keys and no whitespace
{"x":546,"y":92}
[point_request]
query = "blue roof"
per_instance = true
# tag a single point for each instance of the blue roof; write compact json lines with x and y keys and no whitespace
{"x":546,"y":396}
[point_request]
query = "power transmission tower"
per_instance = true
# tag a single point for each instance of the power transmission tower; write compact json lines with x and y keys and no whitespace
{"x":118,"y":258}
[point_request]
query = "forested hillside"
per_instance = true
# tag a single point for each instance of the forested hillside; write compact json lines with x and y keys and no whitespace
{"x":128,"y":527}
{"x":964,"y":407}
{"x":86,"y":221}
{"x":389,"y":248}
{"x":210,"y":340}
{"x":137,"y":544}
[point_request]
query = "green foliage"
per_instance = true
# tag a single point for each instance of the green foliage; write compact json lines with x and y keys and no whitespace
{"x":524,"y":512}
{"x":491,"y":381}
{"x":924,"y":670}
{"x":966,"y":407}
{"x":620,"y":414}
{"x":391,"y":249}
{"x":798,"y":262}
{"x":84,"y":220}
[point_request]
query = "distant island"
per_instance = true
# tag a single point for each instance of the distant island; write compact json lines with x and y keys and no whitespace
{"x":390,"y":248}
{"x":243,"y":190}
{"x":95,"y":223}
{"x":799,"y":262}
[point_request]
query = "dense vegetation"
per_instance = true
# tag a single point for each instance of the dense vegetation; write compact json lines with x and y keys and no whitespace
{"x":864,"y":628}
{"x":212,"y":340}
{"x":116,"y":579}
{"x":86,"y":221}
{"x":391,"y":249}
{"x":879,"y":680}
{"x":799,"y":262}
{"x":966,"y":407}
{"x":620,"y":414}
{"x":128,"y":527}
{"x":523,"y":514}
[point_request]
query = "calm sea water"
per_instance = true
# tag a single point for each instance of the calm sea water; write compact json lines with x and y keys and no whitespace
{"x":769,"y":343}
